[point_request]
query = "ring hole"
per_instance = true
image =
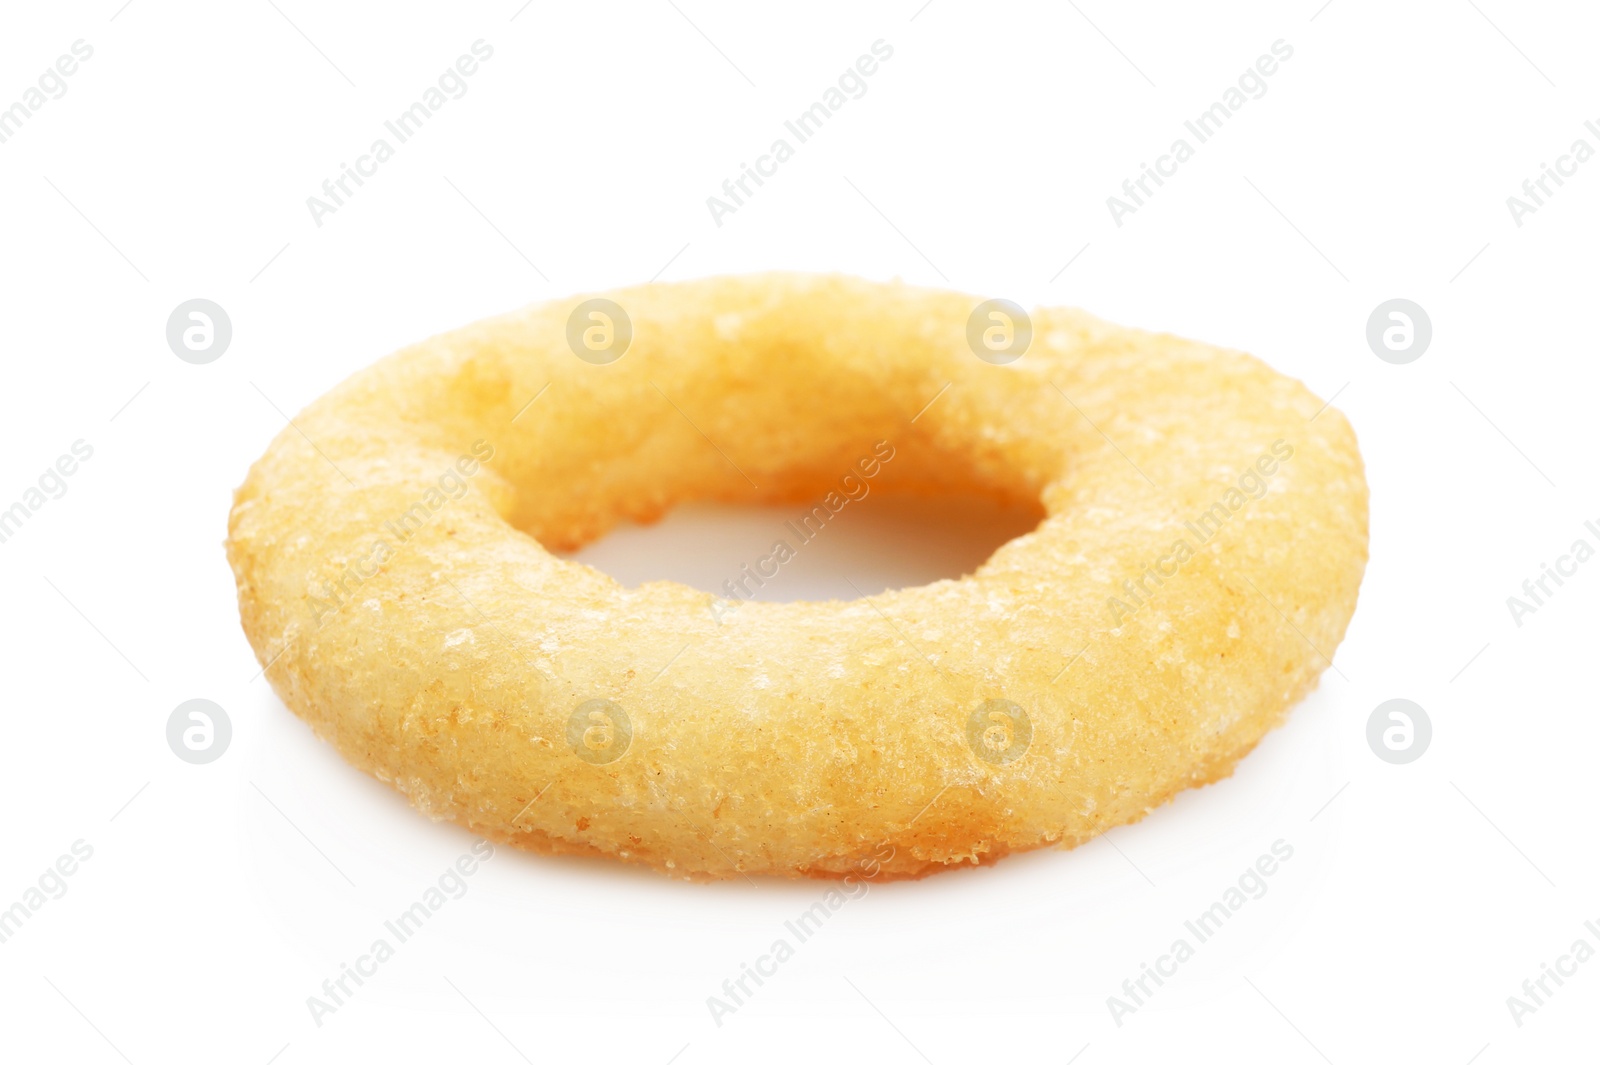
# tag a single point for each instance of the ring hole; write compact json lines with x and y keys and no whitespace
{"x":877,"y":543}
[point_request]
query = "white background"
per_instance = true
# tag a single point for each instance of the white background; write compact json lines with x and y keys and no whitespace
{"x":1376,"y":166}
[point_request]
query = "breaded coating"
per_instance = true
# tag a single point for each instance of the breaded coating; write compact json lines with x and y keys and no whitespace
{"x":1202,"y":540}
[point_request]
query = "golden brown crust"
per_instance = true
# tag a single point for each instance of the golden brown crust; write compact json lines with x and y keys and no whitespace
{"x":409,"y":611}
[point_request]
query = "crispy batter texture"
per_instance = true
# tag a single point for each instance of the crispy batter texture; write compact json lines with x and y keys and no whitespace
{"x":429,"y":633}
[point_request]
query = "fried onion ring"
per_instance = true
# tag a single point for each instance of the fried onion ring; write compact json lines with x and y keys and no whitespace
{"x":1202,"y":545}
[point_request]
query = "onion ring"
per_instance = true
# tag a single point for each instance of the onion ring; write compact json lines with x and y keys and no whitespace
{"x":1203,"y":543}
